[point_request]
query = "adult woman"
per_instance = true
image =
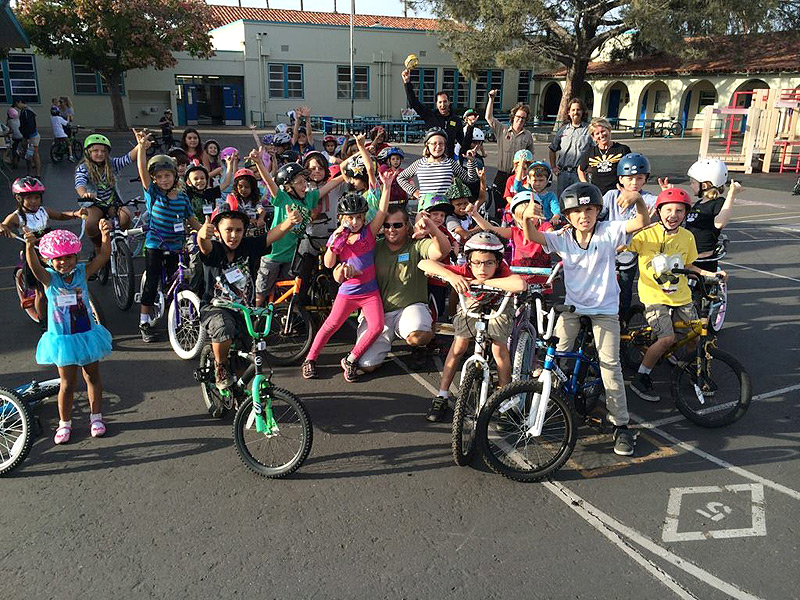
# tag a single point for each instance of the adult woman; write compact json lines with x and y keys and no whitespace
{"x":65,"y":106}
{"x":599,"y":164}
{"x":569,"y":145}
{"x":510,"y":138}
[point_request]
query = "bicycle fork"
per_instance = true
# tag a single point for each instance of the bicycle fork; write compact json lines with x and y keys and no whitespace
{"x":262,"y":409}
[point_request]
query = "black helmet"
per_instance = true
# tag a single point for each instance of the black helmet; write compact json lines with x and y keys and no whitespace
{"x":323,"y":160}
{"x":383,"y":156}
{"x":356,"y":169}
{"x":161,"y":162}
{"x":581,"y":194}
{"x":290,"y":156}
{"x":288,"y":172}
{"x":179,"y":155}
{"x":434,"y":131}
{"x":352,"y":203}
{"x":192,"y":168}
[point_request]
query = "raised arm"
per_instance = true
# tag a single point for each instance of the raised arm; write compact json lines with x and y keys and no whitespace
{"x":101,"y":258}
{"x":531,"y":217}
{"x":413,"y":101}
{"x":142,"y":142}
{"x":296,"y":126}
{"x":262,"y":170}
{"x":504,"y":232}
{"x":724,"y":216}
{"x":33,"y":259}
{"x":367,"y":158}
{"x":440,"y":245}
{"x":387,"y":179}
{"x":309,"y":131}
{"x":642,"y":218}
{"x":293,"y":217}
{"x":490,"y":109}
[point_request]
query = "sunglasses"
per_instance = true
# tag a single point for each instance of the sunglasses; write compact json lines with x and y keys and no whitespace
{"x":393,"y":225}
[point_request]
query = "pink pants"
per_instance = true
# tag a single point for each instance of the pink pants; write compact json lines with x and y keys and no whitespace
{"x":343,"y":306}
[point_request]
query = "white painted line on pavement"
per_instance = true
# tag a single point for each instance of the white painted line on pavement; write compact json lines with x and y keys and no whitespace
{"x":756,"y":219}
{"x":760,"y":271}
{"x":773,"y":393}
{"x":797,"y":239}
{"x":600,"y":521}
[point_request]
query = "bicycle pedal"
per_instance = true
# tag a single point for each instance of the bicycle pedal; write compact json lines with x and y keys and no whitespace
{"x":137,"y":297}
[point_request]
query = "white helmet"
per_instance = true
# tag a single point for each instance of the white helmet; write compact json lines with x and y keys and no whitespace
{"x":478,"y":135}
{"x":523,"y":197}
{"x":281,"y":128}
{"x":711,"y":170}
{"x":485,"y":241}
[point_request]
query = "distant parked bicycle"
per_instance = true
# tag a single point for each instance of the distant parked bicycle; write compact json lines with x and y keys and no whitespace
{"x":62,"y":146}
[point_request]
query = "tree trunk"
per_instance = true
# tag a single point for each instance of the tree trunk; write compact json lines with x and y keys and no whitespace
{"x":112,"y":81}
{"x":573,"y":83}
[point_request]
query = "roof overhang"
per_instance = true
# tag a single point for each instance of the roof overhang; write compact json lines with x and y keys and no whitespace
{"x":12,"y":35}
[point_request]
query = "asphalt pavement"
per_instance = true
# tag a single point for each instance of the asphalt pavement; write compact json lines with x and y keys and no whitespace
{"x":161,"y":507}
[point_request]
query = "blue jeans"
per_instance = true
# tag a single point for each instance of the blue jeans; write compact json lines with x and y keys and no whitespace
{"x":626,"y":279}
{"x":566,"y":179}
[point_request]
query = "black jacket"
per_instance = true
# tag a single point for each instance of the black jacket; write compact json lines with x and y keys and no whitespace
{"x":452,"y":123}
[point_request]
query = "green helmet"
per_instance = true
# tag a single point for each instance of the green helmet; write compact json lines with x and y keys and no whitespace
{"x":96,"y":138}
{"x":429,"y":202}
{"x":459,"y":189}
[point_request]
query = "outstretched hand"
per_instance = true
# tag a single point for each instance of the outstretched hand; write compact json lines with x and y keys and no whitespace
{"x":664,"y":184}
{"x":626,"y":197}
{"x":105,"y":229}
{"x":206,"y":231}
{"x":30,"y":237}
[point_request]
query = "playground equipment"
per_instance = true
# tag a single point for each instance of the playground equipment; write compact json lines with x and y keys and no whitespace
{"x":760,"y":125}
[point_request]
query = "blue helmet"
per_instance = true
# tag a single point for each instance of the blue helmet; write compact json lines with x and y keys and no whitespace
{"x":633,"y":164}
{"x":543,"y":165}
{"x":395,"y":151}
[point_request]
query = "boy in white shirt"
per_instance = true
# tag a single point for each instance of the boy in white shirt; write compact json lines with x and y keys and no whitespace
{"x":60,"y":127}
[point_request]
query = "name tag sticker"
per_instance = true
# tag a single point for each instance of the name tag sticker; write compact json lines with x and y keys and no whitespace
{"x":207,"y":209}
{"x":64,"y":300}
{"x":404,"y":257}
{"x":452,"y":123}
{"x":234,"y":274}
{"x":178,"y":227}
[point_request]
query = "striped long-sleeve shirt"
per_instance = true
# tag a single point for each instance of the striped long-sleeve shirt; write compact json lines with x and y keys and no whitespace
{"x":104,"y":191}
{"x":435,"y":177}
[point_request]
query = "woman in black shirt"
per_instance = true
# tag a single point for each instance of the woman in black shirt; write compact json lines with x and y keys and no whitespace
{"x":599,"y":165}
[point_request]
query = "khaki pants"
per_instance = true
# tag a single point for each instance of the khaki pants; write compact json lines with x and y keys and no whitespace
{"x":606,"y":338}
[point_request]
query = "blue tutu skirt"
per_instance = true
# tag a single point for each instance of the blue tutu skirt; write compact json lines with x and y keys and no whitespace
{"x":77,"y":349}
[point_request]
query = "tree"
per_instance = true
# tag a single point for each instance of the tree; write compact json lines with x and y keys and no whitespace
{"x":547,"y":33}
{"x":112,"y":36}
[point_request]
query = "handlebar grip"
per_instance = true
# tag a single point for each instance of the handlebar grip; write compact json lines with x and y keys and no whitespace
{"x":531,"y":270}
{"x":564,"y":308}
{"x":135,"y":231}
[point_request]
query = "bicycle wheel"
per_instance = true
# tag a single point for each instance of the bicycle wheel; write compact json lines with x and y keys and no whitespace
{"x":25,"y":301}
{"x":676,"y":128}
{"x":716,"y":316}
{"x":186,"y":334}
{"x":77,"y":149}
{"x":720,"y":397}
{"x":280,"y":454}
{"x":43,"y":389}
{"x":15,"y":430}
{"x":462,"y":441}
{"x":632,"y":352}
{"x":104,"y":273}
{"x":522,"y":360}
{"x":215,"y":404}
{"x":123,"y":274}
{"x":158,"y":306}
{"x":504,"y":443}
{"x":97,"y":310}
{"x":57,"y":152}
{"x":290,"y":336}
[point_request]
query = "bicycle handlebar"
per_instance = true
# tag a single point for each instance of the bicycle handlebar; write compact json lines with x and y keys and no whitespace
{"x":462,"y":299}
{"x":80,"y":235}
{"x":551,"y":272}
{"x":701,"y":280}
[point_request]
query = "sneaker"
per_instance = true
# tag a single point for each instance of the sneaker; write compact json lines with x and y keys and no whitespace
{"x":148,"y":332}
{"x":418,"y":358}
{"x":642,"y":386}
{"x":309,"y":369}
{"x":222,"y":377}
{"x":624,"y":441}
{"x":438,"y":410}
{"x":350,"y":370}
{"x":71,"y":159}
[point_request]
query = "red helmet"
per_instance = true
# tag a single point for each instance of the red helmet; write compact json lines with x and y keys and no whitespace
{"x":673,"y":195}
{"x":27,"y":185}
{"x":245,"y":173}
{"x":329,"y":138}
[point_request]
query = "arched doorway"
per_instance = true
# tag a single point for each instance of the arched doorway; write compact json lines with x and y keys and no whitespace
{"x":551,"y":101}
{"x":695,"y":98}
{"x":653,"y":102}
{"x":587,"y":95}
{"x":615,"y":97}
{"x":743,"y":95}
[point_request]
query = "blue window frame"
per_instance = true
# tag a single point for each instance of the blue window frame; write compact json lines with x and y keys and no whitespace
{"x":457,"y":87}
{"x":20,"y":78}
{"x":285,"y":80}
{"x":489,"y":80}
{"x":524,"y":86}
{"x":425,"y":81}
{"x":361,"y":76}
{"x":86,"y":81}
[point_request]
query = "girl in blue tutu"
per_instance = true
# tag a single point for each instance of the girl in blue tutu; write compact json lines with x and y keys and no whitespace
{"x":73,"y":338}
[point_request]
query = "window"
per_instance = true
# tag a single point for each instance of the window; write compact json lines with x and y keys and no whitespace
{"x":489,"y":80}
{"x":706,"y":98}
{"x":285,"y":81}
{"x":660,"y":102}
{"x":426,"y":91}
{"x":20,"y":73}
{"x":457,"y":87}
{"x":3,"y":95}
{"x":524,"y":87}
{"x":361,"y":75}
{"x":88,"y":81}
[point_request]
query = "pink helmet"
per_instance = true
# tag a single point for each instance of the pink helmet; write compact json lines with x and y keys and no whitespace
{"x":59,"y":242}
{"x":12,"y":113}
{"x":27,"y":185}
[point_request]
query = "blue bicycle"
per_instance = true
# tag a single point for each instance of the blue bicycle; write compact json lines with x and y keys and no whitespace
{"x":16,"y":421}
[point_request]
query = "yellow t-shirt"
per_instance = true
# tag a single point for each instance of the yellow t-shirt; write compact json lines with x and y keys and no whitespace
{"x":659,"y":251}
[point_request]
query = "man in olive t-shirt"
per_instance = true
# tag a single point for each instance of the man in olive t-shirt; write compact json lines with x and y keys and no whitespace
{"x":403,"y":287}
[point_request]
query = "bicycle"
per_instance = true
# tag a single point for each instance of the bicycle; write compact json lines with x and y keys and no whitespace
{"x":283,"y":432}
{"x":527,"y":430}
{"x":68,"y":146}
{"x":719,"y":306}
{"x":182,"y":305}
{"x":16,"y":421}
{"x":709,"y":386}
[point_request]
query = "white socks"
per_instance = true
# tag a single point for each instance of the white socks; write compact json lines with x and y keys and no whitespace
{"x":443,"y":394}
{"x":645,"y":370}
{"x":95,"y":417}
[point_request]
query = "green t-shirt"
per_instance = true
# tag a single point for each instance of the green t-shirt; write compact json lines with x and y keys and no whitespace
{"x":283,"y":249}
{"x":400,"y":280}
{"x":373,"y":198}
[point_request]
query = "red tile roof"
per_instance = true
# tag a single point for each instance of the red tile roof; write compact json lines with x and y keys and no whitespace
{"x":760,"y":53}
{"x":230,"y":14}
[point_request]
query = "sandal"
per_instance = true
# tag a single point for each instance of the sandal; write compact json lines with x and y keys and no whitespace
{"x":62,"y":435}
{"x":309,"y":369}
{"x":98,"y":428}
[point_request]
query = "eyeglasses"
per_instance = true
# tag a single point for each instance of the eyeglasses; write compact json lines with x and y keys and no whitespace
{"x":485,"y":263}
{"x":436,"y":144}
{"x":393,"y":225}
{"x":520,"y":117}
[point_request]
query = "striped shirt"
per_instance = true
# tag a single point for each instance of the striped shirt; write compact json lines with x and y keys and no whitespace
{"x":360,"y":256}
{"x":435,"y":177}
{"x":164,"y":214}
{"x":104,"y":191}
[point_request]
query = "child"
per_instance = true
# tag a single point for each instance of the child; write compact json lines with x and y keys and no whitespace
{"x":522,"y":160}
{"x":437,"y":208}
{"x":302,"y":137}
{"x":60,"y":128}
{"x":182,"y":161}
{"x":233,"y":258}
{"x":359,"y":174}
{"x":377,"y":135}
{"x":588,"y":251}
{"x":167,"y":126}
{"x":248,"y":198}
{"x":329,"y":144}
{"x":485,"y":265}
{"x":32,"y":216}
{"x":211,"y":159}
{"x":204,"y":196}
{"x":168,"y":206}
{"x":73,"y":338}
{"x":540,"y":177}
{"x":12,"y":118}
{"x":353,"y":243}
{"x":460,"y":223}
{"x":394,"y":160}
{"x":666,"y":297}
{"x":192,"y":145}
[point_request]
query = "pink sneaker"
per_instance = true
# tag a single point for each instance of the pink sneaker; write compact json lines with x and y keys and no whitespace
{"x":62,"y":435}
{"x":98,"y":428}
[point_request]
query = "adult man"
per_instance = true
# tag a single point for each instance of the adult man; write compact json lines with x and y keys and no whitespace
{"x":569,"y":145}
{"x":510,"y":138}
{"x":30,"y":134}
{"x":442,"y":117}
{"x":403,"y":287}
{"x":599,"y":165}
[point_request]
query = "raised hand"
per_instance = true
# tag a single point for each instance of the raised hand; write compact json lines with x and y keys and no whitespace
{"x":406,"y":75}
{"x":387,"y":178}
{"x":626,"y":197}
{"x":736,"y":187}
{"x":142,"y":138}
{"x":30,"y":237}
{"x":294,"y":216}
{"x":252,"y":126}
{"x":532,"y":211}
{"x":206,"y":231}
{"x":360,"y":139}
{"x":105,"y":229}
{"x":664,"y":184}
{"x":492,"y":94}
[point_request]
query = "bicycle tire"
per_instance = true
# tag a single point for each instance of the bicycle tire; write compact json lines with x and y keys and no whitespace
{"x":523,"y":353}
{"x":56,"y":153}
{"x":295,"y":433}
{"x":124,"y":280}
{"x":15,"y":431}
{"x":291,"y":347}
{"x":97,"y":310}
{"x":211,"y":395}
{"x":724,"y":407}
{"x":19,"y":285}
{"x":633,"y":351}
{"x":188,"y":337}
{"x":716,"y":318}
{"x":676,"y":128}
{"x":462,"y":440}
{"x":77,"y":149}
{"x":508,"y":450}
